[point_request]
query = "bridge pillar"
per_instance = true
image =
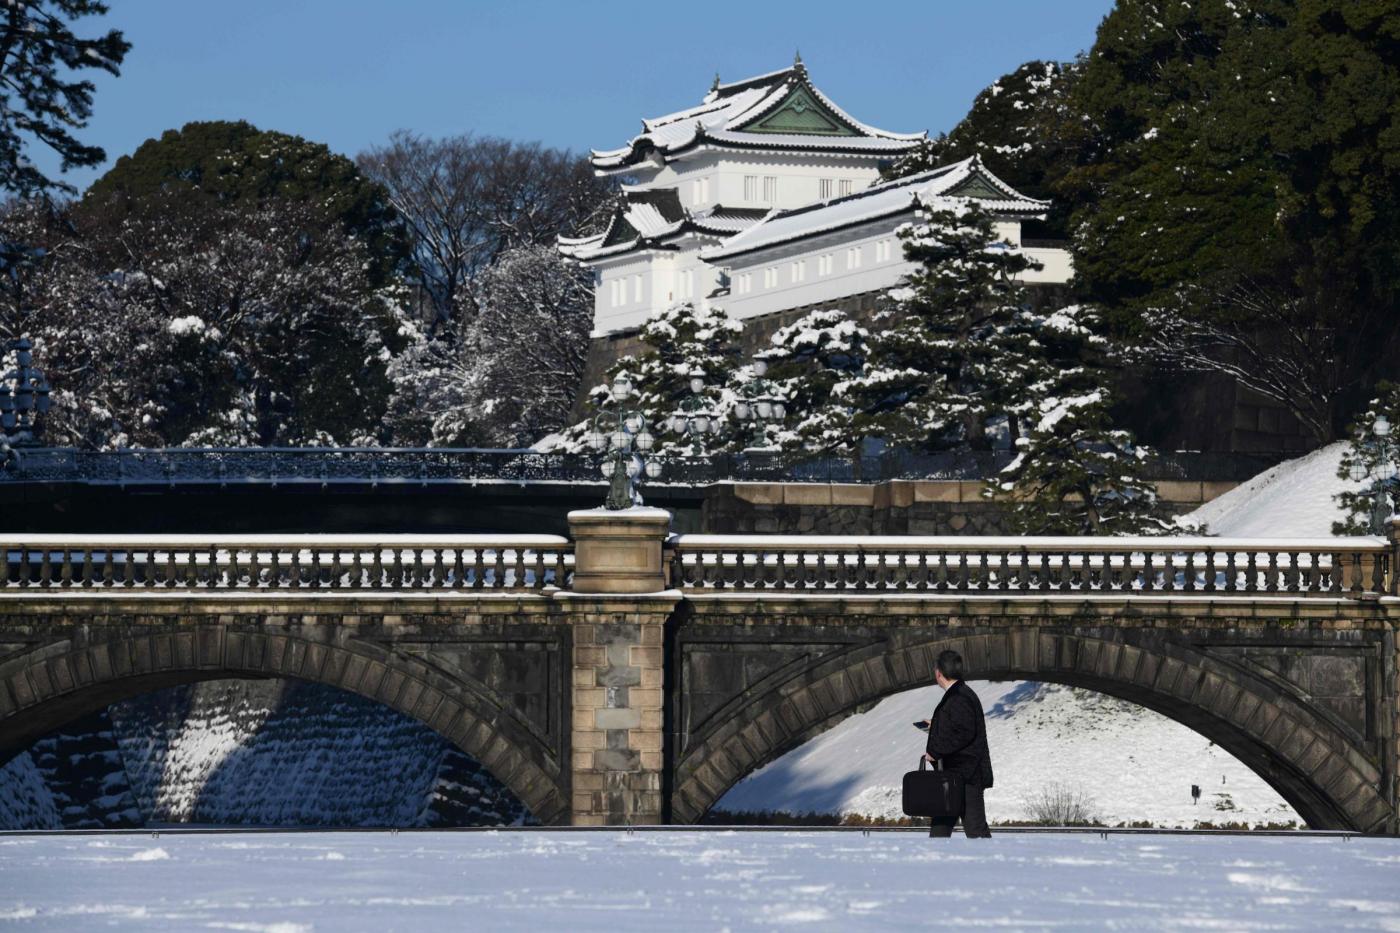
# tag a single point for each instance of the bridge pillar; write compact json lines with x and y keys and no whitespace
{"x":619,"y":606}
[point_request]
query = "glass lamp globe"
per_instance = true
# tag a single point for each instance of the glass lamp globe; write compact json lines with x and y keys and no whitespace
{"x":608,"y":468}
{"x":1382,"y":426}
{"x":621,"y":388}
{"x":702,"y":423}
{"x":653,"y":468}
{"x":1357,"y":471}
{"x":765,"y":408}
{"x":1385,"y":470}
{"x":760,"y":367}
{"x":741,"y":411}
{"x":779,"y":410}
{"x":597,"y":440}
{"x":697,"y":383}
{"x":645,"y":441}
{"x":618,"y":439}
{"x":634,"y":423}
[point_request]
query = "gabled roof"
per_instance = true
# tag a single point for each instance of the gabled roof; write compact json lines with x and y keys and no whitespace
{"x":779,"y":110}
{"x":648,"y":218}
{"x":966,"y":179}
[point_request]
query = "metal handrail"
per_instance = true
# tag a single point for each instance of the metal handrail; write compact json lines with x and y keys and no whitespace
{"x":431,"y":466}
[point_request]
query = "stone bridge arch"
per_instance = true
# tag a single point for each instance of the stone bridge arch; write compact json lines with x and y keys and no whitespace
{"x":495,"y":687}
{"x":1304,"y":706}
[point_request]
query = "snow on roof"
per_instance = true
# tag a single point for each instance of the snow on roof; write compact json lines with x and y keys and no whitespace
{"x":649,"y":217}
{"x":719,"y":119}
{"x":881,"y":200}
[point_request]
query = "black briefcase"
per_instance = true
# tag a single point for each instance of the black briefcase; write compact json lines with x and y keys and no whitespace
{"x":932,"y":793}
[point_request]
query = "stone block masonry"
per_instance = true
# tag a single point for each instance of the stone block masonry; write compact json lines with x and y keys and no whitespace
{"x":619,"y":607}
{"x":617,"y":716}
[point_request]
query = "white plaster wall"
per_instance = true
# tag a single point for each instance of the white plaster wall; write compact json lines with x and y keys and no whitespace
{"x":873,"y":274}
{"x":630,"y":311}
{"x":663,"y":284}
{"x":799,"y":180}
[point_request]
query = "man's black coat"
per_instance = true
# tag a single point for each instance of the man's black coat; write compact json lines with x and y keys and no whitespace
{"x":957,"y":735}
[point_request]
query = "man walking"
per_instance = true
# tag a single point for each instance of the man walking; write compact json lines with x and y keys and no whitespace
{"x":957,"y":736}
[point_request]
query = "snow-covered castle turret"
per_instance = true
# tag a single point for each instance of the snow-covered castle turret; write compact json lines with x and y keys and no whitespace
{"x":767,"y":197}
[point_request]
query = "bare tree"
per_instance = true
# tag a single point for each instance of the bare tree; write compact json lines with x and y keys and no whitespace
{"x":512,"y":374}
{"x":468,"y":200}
{"x":1061,"y":805}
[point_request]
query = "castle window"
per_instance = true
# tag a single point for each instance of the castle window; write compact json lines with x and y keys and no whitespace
{"x":770,"y":188}
{"x":750,"y":187}
{"x":825,"y":186}
{"x":636,"y":288}
{"x":845,"y":186}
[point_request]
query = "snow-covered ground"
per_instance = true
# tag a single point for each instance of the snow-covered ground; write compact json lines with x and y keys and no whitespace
{"x":688,"y":880}
{"x":1294,"y":499}
{"x":1132,"y":763}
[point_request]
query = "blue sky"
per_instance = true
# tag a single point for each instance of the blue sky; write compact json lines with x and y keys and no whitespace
{"x":576,"y":75}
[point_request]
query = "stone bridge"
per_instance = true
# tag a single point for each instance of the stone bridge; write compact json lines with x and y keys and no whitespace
{"x":622,"y":675}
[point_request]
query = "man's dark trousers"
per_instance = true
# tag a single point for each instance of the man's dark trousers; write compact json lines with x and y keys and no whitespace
{"x":974,"y":816}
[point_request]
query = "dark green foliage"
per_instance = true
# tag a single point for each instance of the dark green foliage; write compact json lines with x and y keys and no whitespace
{"x":235,"y":165}
{"x":40,"y":102}
{"x":949,"y":351}
{"x":1022,"y":129}
{"x":681,"y":341}
{"x":1237,"y":206}
{"x":1372,"y":461}
{"x":812,"y":361}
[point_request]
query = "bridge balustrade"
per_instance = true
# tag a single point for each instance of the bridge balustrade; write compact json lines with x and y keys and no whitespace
{"x":228,"y":563}
{"x":1128,"y":566}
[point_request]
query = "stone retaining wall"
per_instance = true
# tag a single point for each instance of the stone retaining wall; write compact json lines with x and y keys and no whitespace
{"x":899,"y":507}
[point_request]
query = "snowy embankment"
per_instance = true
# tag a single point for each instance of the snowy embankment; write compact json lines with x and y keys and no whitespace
{"x":1134,"y":764}
{"x":681,"y":881}
{"x":1296,"y":499}
{"x":261,"y":753}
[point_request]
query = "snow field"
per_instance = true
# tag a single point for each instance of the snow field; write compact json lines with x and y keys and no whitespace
{"x":1132,"y":763}
{"x":687,"y":880}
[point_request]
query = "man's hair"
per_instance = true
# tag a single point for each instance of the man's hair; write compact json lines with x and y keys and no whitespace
{"x":950,"y":665}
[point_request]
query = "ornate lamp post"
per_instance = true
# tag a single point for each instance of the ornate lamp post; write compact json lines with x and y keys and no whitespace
{"x":24,"y":397}
{"x":760,"y":404}
{"x":694,"y":417}
{"x":1382,"y":474}
{"x":622,"y":432}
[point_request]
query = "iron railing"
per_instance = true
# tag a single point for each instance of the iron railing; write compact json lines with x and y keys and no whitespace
{"x":815,"y":564}
{"x":248,"y":563}
{"x":430,"y":466}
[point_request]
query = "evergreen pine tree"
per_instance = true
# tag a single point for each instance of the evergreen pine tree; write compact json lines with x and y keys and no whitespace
{"x":814,"y":360}
{"x":1364,"y":461}
{"x":682,"y":342}
{"x":950,"y":350}
{"x":39,"y":101}
{"x":1074,"y":473}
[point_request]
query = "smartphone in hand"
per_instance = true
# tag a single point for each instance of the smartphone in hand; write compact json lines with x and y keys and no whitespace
{"x":922,"y":725}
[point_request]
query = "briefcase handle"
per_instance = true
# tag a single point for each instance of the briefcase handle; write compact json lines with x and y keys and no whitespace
{"x":923,"y":761}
